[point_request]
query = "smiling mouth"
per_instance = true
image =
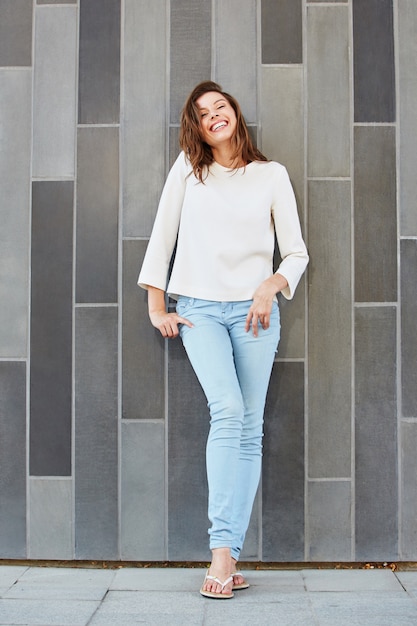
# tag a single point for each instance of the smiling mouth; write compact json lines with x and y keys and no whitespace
{"x":218,"y":126}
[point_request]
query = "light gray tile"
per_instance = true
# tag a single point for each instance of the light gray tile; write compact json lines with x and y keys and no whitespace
{"x":143,"y":511}
{"x":235,"y":65}
{"x":408,"y":502}
{"x":96,"y":447}
{"x":144,"y":113}
{"x":330,"y":329}
{"x":16,"y":33}
{"x":375,"y":214}
{"x":50,"y":530}
{"x":157,"y":579}
{"x":328,"y":119}
{"x":143,"y":387}
{"x":9,"y":574}
{"x":329,"y":521}
{"x":350,"y":580}
{"x":376,"y":508}
{"x":55,"y":69}
{"x":407,"y":80}
{"x":13,"y":460}
{"x":15,"y":150}
{"x":408,"y":580}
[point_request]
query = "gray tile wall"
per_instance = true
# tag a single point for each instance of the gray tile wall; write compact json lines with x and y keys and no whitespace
{"x":102,"y":423}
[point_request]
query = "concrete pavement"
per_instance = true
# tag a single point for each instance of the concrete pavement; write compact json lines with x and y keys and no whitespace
{"x":72,"y":596}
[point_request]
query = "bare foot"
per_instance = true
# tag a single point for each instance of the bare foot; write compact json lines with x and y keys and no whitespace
{"x":237,"y":578}
{"x":220,"y":568}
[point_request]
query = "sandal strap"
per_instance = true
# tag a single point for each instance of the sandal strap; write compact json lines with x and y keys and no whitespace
{"x":218,"y":581}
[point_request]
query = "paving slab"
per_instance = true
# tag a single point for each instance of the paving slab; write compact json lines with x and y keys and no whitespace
{"x":9,"y":574}
{"x":353,"y":580}
{"x":46,"y":612}
{"x":61,"y":584}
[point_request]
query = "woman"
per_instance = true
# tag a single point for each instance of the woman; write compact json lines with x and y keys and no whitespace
{"x":223,"y":204}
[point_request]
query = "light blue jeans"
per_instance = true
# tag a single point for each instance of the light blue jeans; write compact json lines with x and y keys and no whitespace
{"x":233,"y":368}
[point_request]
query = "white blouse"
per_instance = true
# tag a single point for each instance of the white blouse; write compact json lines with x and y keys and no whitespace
{"x":226,"y":231}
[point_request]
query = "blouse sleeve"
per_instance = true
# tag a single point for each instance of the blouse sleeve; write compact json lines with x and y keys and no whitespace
{"x":288,"y":232}
{"x":155,"y":267}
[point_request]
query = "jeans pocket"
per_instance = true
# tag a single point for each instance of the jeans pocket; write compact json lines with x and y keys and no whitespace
{"x":183,"y":305}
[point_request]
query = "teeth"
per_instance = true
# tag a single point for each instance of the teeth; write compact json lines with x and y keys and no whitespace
{"x":220,"y":125}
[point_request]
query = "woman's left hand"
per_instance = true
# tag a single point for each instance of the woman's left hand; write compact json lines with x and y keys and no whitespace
{"x":261,"y":307}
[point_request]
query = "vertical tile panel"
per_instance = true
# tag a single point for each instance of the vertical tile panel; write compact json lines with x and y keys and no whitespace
{"x":409,"y":491}
{"x":50,"y":508}
{"x":96,"y":466}
{"x":407,"y":80}
{"x":51,"y":328}
{"x":376,"y":434}
{"x":190,"y":51}
{"x":409,"y":327}
{"x":328,"y":91}
{"x":283,"y":465}
{"x":330,"y":329}
{"x":15,"y":149}
{"x":235,"y":65}
{"x":99,"y":63}
{"x":143,"y":492}
{"x":143,"y":387}
{"x":55,"y":92}
{"x":282,"y":123}
{"x":56,"y":1}
{"x":15,"y":33}
{"x":375,"y":215}
{"x":13,"y":460}
{"x":187,"y":483}
{"x":282,"y":38}
{"x":97,"y":214}
{"x":373,"y":56}
{"x":329,"y":521}
{"x":144,"y":114}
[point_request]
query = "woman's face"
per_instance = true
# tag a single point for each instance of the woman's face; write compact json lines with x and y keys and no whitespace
{"x":217,"y":118}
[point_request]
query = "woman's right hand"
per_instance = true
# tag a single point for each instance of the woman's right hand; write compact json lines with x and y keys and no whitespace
{"x":167,"y":323}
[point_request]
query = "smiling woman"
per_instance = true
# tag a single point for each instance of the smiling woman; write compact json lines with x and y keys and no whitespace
{"x":223,"y":204}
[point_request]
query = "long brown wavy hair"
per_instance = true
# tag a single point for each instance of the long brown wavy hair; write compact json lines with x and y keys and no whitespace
{"x":198,"y":151}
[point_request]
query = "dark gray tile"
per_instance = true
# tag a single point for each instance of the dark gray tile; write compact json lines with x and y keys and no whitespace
{"x":13,"y":460}
{"x":188,"y":425}
{"x":190,"y":54}
{"x":329,"y":329}
{"x":408,"y":502}
{"x":143,"y":345}
{"x":16,"y":33}
{"x":282,"y":39}
{"x":329,"y":520}
{"x":143,"y":502}
{"x":375,"y":214}
{"x":373,"y":61}
{"x":99,"y":62}
{"x":376,"y":434}
{"x":97,"y":214}
{"x":283,"y":465}
{"x":51,"y":328}
{"x":174,"y":146}
{"x":409,"y":327}
{"x":96,"y":465}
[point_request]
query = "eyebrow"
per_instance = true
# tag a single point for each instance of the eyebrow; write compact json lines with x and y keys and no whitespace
{"x":215,"y":102}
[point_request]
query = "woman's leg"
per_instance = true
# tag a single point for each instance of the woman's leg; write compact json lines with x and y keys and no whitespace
{"x":254,"y":357}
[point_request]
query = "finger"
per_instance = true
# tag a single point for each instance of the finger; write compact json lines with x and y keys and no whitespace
{"x":183,"y":320}
{"x":255,"y":325}
{"x":248,"y":321}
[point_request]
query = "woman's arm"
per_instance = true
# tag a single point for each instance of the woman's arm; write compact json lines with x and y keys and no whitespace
{"x":166,"y":323}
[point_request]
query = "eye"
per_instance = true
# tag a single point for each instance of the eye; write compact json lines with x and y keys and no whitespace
{"x":203,"y":114}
